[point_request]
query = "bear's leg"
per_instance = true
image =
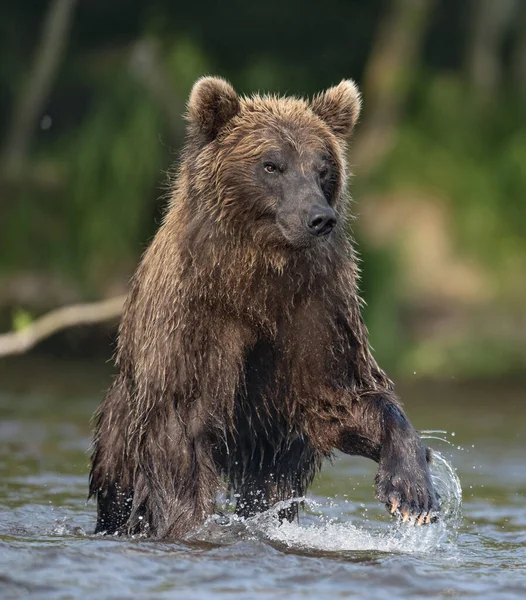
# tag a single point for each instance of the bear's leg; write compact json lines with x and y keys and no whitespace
{"x":171,"y":495}
{"x":176,"y":480}
{"x":377,"y":428}
{"x":281,"y":477}
{"x":256,"y":496}
{"x":113,"y":509}
{"x":162,"y":481}
{"x":111,"y":472}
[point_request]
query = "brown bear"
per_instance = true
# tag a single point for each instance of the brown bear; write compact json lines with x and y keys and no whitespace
{"x":242,"y":353}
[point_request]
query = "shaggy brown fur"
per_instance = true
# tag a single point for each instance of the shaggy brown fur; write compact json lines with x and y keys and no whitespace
{"x":242,"y":352}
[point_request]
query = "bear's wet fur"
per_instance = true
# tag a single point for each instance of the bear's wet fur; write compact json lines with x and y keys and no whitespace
{"x":242,"y":354}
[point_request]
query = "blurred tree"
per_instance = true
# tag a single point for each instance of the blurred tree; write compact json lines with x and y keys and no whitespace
{"x":146,"y":64}
{"x":519,"y":49}
{"x":490,"y":21}
{"x":35,"y":92}
{"x":389,"y":76}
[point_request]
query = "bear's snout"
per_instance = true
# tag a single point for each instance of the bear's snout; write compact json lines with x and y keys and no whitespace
{"x":321,"y":220}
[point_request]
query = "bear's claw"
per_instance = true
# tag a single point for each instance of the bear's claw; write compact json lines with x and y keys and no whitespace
{"x":405,"y":514}
{"x":407,"y":490}
{"x":409,"y":511}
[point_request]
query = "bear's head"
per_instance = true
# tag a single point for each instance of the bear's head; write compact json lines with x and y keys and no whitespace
{"x":267,"y":166}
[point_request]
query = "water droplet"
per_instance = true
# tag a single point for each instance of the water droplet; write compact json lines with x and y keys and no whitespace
{"x":46,"y":122}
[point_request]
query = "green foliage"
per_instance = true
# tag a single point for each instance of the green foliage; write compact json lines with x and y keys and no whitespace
{"x":114,"y":161}
{"x":470,"y":156}
{"x":380,"y":287}
{"x":186,"y":61}
{"x":473,"y":156}
{"x":95,"y":218}
{"x":21,"y":319}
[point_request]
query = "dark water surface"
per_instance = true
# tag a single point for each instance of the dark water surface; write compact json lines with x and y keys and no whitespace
{"x":345,"y":546}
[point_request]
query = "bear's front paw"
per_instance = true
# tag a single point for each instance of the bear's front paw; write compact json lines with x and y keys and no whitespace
{"x":404,"y":484}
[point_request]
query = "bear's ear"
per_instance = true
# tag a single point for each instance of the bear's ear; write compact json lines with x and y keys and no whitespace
{"x":212,"y":103}
{"x":339,"y":107}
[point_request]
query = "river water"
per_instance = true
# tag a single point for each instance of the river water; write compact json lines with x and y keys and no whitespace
{"x":345,"y":546}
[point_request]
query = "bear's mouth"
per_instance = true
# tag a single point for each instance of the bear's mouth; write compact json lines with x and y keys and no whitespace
{"x":298,"y":237}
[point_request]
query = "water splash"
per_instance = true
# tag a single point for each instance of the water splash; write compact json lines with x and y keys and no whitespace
{"x":319,"y":532}
{"x":62,"y":528}
{"x":332,"y":536}
{"x":447,"y":484}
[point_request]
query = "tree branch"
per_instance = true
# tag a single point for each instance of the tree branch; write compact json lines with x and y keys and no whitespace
{"x":19,"y":342}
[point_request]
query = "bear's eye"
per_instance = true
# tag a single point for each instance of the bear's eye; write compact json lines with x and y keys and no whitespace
{"x":323,"y":172}
{"x":270,"y":167}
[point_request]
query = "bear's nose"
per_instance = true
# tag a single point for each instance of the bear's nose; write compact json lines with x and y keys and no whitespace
{"x":321,"y":220}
